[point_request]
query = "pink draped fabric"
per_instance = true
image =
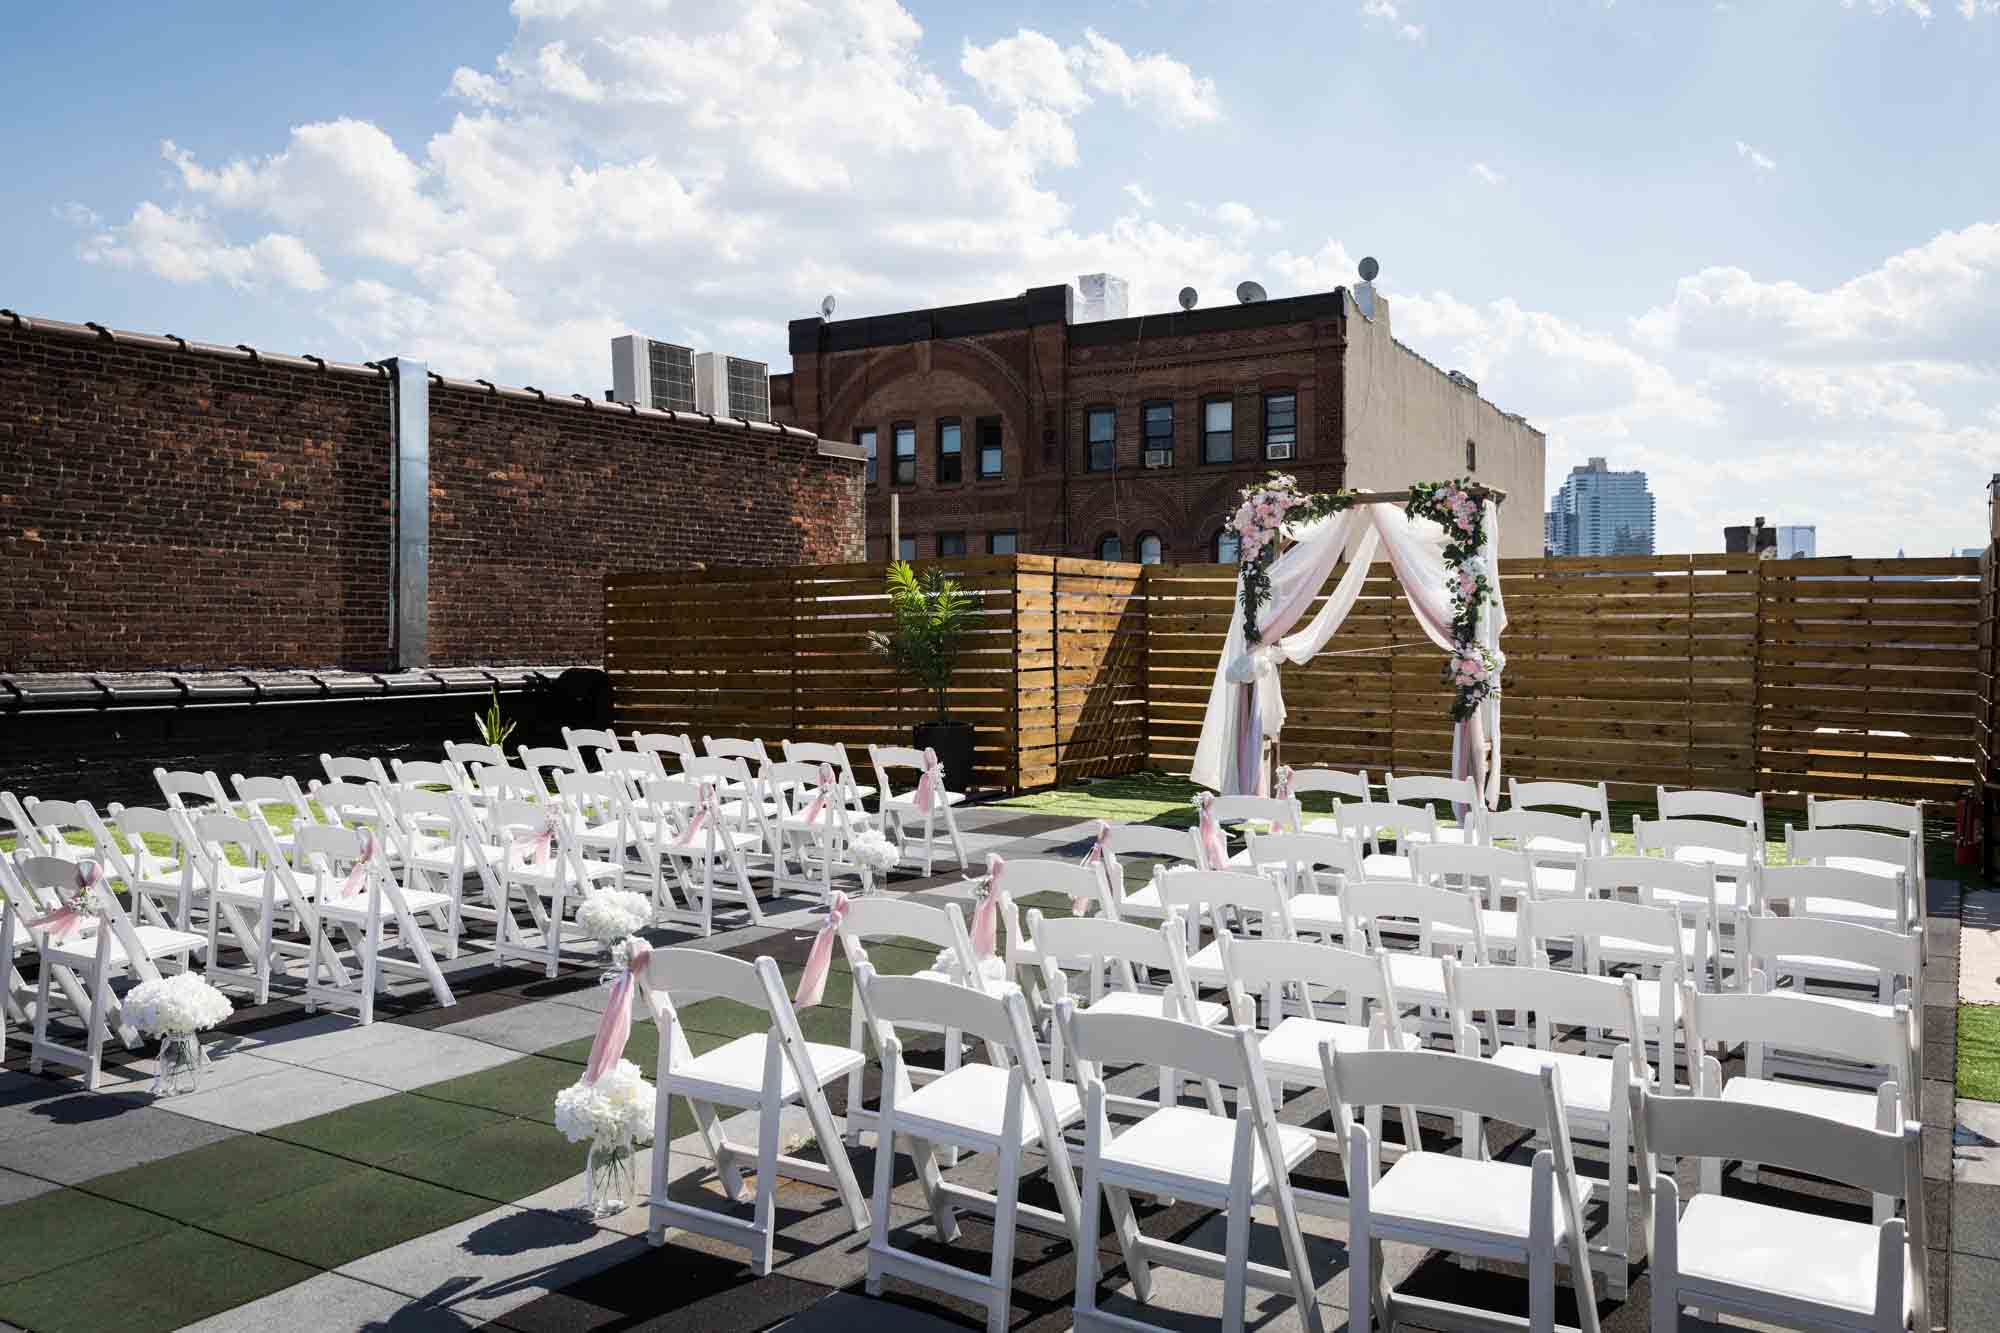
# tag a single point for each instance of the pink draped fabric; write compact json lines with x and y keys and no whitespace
{"x":538,"y":844}
{"x":1283,"y":790}
{"x":812,"y":982}
{"x":985,"y":917}
{"x":820,"y":796}
{"x":357,"y":874}
{"x":929,"y":783}
{"x":67,"y":919}
{"x":1100,"y":856}
{"x":608,"y":1046}
{"x":1213,"y":847}
{"x":1420,"y":569}
{"x":705,"y":809}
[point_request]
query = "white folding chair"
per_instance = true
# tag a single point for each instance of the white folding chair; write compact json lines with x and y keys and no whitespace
{"x":815,"y":822}
{"x":1770,"y":1263}
{"x":601,"y":817}
{"x":1310,"y":867}
{"x":1598,"y":931}
{"x":160,"y":882}
{"x":1462,"y":794}
{"x":1170,"y":849}
{"x":28,"y":838}
{"x":347,"y":804}
{"x":1878,"y":816}
{"x":1231,"y":1164}
{"x":1590,"y":799}
{"x":188,"y":792}
{"x":1807,"y":952}
{"x":1368,"y":821}
{"x":545,"y":761}
{"x":543,"y":870}
{"x":353,"y":768}
{"x":66,"y":830}
{"x":437,"y":774}
{"x":1468,"y":1204}
{"x":663,"y":743}
{"x":104,"y":945}
{"x":1008,"y":1109}
{"x":817,"y":752}
{"x":260,"y":798}
{"x":1593,"y":1086}
{"x":469,"y":758}
{"x":761,"y":1071}
{"x":1733,"y":852}
{"x":1555,"y":845}
{"x":1229,"y":899}
{"x":1792,"y":1022}
{"x":1111,"y":958}
{"x":1342,"y":785}
{"x":360,"y":907}
{"x":437,"y":840}
{"x":1029,"y":876}
{"x":242,"y":898}
{"x":1724,"y":806}
{"x":634,"y":768}
{"x":585,"y":742}
{"x":1492,"y":876}
{"x":738,"y":747}
{"x":745,"y":807}
{"x":1896,"y":857}
{"x":689,"y":839}
{"x":900,"y":809}
{"x":1385,"y":913}
{"x":1841,"y":895}
{"x":1687,"y":888}
{"x":1265,"y":814}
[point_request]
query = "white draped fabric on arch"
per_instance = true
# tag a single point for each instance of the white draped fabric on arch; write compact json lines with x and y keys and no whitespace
{"x":1246,"y":703}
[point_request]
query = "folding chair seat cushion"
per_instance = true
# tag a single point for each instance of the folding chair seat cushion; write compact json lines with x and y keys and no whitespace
{"x":1867,"y":865}
{"x":239,"y":884}
{"x":519,"y":866}
{"x":1206,"y":1012}
{"x":1586,"y":1079}
{"x":154,"y":942}
{"x":909,"y":798}
{"x":355,"y":906}
{"x":735,"y":1069}
{"x":1618,"y":947}
{"x":1416,"y":974}
{"x":1803,"y":1255}
{"x":974,"y":1097}
{"x":1454,"y":1193}
{"x":1846,"y":909}
{"x":737,"y":838}
{"x":1313,"y":913}
{"x":434,"y":853}
{"x":1712,"y":856}
{"x":1849,"y":1107}
{"x":1328,"y":827}
{"x":1448,"y":835}
{"x":1386,"y":865}
{"x":1292,"y":1047}
{"x":1502,"y":927}
{"x":1186,"y":1144}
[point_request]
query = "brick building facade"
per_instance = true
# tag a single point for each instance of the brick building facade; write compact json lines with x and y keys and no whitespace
{"x":178,"y":505}
{"x":1008,"y":422}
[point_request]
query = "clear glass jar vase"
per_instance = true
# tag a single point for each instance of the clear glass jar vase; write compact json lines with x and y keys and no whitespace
{"x":610,"y":1178}
{"x":181,"y":1064}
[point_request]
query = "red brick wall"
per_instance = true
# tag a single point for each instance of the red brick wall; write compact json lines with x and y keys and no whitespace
{"x":172,"y":509}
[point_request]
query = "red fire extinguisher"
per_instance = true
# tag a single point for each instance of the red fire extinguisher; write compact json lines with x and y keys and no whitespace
{"x":1971,"y":828}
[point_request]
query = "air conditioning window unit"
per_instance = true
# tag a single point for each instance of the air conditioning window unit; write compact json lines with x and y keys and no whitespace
{"x":730,"y":386}
{"x":1278,"y":451}
{"x":1159,"y":458}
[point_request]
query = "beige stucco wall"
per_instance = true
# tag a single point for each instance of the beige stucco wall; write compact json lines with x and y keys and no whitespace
{"x":1406,"y":421}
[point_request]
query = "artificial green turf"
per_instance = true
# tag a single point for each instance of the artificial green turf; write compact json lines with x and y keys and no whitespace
{"x":508,"y":1161}
{"x":526,"y":1088}
{"x":237,"y":1172}
{"x":383,"y":1129}
{"x":63,"y":1226}
{"x":360,"y":1212}
{"x":1979,"y":1052}
{"x":163,"y":1282}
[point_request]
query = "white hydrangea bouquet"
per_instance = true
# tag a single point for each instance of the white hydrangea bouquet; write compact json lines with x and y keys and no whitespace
{"x":612,"y":1115}
{"x":875,"y":850}
{"x":174,"y":1008}
{"x":609,"y":915}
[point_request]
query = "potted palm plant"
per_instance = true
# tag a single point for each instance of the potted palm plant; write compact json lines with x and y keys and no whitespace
{"x":931,"y":614}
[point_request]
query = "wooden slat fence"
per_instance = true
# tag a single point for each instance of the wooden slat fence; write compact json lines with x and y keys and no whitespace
{"x":1831,"y":676}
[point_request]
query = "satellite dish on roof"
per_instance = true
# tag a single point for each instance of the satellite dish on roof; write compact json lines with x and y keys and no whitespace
{"x":1188,"y":297}
{"x":826,"y":307}
{"x":1249,"y":293}
{"x":1369,"y":268}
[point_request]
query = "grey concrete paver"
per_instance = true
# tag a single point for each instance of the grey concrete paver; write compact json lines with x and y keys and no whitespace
{"x":73,"y":1153}
{"x":1976,"y":1142}
{"x":331,"y":1303}
{"x":527,"y":1028}
{"x":291,"y":1093}
{"x":15,"y":1187}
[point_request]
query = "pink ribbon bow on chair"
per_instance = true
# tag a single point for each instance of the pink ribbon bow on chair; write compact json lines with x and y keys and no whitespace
{"x":819,"y":796}
{"x":705,"y":809}
{"x":986,"y":916}
{"x":67,"y":919}
{"x":357,"y":873}
{"x":1283,"y":791}
{"x":812,"y":982}
{"x":1212,"y":845}
{"x":1099,"y":855}
{"x":538,"y":844}
{"x":608,"y":1046}
{"x":929,"y":783}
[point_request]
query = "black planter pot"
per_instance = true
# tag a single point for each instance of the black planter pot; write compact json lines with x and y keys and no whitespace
{"x":953,"y":743}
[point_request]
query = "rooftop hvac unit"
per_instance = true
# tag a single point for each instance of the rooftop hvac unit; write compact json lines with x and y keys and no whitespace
{"x":729,"y":386}
{"x":1159,"y":458}
{"x":1278,"y":451}
{"x":652,"y":373}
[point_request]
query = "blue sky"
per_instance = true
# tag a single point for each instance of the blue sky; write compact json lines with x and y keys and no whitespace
{"x":1751,"y":247}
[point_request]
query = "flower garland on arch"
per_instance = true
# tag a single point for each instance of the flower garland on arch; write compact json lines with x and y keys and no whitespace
{"x":1472,"y":671}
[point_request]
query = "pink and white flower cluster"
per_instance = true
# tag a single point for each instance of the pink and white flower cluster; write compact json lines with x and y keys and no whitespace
{"x":1464,"y":509}
{"x":1471,"y":669}
{"x":1258,"y":519}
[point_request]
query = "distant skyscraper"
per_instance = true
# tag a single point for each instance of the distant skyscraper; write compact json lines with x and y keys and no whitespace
{"x":1600,"y":512}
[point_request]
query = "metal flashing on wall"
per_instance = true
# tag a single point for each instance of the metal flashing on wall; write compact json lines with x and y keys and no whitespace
{"x":410,"y":494}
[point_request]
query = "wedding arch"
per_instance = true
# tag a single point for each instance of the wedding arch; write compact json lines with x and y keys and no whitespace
{"x":1442,"y":540}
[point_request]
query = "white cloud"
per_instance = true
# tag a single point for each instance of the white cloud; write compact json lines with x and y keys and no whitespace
{"x":1754,"y":158}
{"x":1027,"y":69}
{"x":1158,"y":83}
{"x":1239,"y":219}
{"x":1488,"y":174}
{"x":183,"y":246}
{"x":1139,"y":194}
{"x":1389,"y":13}
{"x":1917,"y":7}
{"x":1030,"y":70}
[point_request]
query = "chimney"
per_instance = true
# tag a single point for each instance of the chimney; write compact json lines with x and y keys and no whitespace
{"x":1104,"y":296}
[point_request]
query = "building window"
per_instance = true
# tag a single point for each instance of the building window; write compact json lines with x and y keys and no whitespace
{"x":1102,"y":435}
{"x":906,"y":548}
{"x":989,"y":446}
{"x":951,"y":459}
{"x":1281,"y":424}
{"x":1109,"y":547}
{"x":1157,"y":424}
{"x":1149,"y":548}
{"x":1218,"y":430}
{"x":866,"y":439}
{"x":1227,"y":548}
{"x":905,"y":434}
{"x":1002,"y":543}
{"x":1471,"y":456}
{"x":951,"y":543}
